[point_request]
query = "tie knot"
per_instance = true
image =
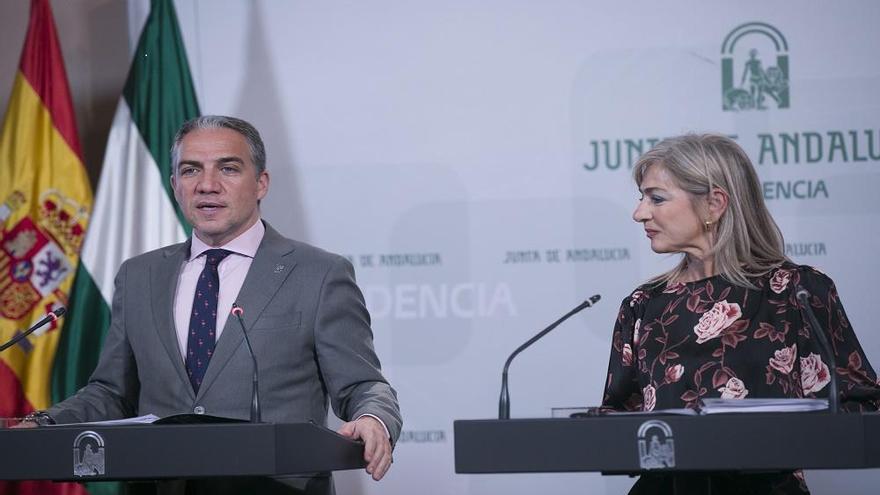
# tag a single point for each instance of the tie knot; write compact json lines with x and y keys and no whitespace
{"x":213,"y":257}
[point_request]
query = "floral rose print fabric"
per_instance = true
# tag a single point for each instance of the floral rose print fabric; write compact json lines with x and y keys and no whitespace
{"x":674,"y":345}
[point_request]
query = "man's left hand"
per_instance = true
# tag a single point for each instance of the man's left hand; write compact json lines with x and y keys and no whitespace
{"x":377,"y":447}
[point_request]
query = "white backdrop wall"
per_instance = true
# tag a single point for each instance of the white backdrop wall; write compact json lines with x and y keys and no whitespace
{"x":450,"y":150}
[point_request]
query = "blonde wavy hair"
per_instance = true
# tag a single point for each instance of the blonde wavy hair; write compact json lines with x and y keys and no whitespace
{"x":748,"y":243}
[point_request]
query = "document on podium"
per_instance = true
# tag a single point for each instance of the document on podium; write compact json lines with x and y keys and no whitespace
{"x":718,"y":406}
{"x":680,"y":411}
{"x":708,"y":406}
{"x":146,"y":419}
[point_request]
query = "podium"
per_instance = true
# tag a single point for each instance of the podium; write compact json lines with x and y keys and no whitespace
{"x":146,"y":452}
{"x":679,"y":445}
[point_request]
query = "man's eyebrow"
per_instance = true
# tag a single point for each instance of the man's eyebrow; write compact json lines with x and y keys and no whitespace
{"x":230,"y":159}
{"x":195,"y":163}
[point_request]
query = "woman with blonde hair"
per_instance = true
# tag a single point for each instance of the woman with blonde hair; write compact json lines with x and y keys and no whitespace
{"x":725,"y":321}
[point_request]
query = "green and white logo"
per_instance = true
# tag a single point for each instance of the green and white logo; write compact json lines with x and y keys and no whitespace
{"x":743,"y":62}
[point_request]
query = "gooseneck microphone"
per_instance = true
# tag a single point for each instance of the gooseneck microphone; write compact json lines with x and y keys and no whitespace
{"x":827,"y":353}
{"x":504,"y":400}
{"x":255,"y":393}
{"x":53,"y":316}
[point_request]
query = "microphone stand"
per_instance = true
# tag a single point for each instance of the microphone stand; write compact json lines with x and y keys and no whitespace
{"x":255,"y":394}
{"x":504,"y":400}
{"x":827,"y":353}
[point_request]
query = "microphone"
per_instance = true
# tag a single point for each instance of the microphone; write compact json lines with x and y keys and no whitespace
{"x":255,"y":395}
{"x":827,"y":353}
{"x":53,"y":316}
{"x":504,"y":400}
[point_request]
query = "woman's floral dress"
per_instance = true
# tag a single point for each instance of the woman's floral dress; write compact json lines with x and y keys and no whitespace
{"x":674,"y":345}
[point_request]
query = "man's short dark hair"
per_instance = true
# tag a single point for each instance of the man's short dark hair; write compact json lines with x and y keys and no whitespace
{"x":250,"y":133}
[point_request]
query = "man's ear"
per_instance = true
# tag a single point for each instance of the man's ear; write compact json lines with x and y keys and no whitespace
{"x":262,"y":184}
{"x":174,"y":188}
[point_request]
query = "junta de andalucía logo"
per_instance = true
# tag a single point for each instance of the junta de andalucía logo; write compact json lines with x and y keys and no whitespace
{"x":754,"y":68}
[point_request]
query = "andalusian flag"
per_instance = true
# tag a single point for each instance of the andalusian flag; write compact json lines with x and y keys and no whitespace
{"x":135,"y":211}
{"x":45,"y":199}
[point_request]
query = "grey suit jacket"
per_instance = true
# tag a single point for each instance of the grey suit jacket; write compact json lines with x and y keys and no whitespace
{"x":306,"y":320}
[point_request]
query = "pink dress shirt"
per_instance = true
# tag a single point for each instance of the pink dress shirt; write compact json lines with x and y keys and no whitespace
{"x":232,"y":270}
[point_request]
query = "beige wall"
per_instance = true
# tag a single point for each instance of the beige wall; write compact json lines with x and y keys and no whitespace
{"x":94,"y":40}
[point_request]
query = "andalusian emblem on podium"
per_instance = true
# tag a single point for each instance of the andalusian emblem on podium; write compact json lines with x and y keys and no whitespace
{"x":88,"y":455}
{"x":656,"y":446}
{"x":751,"y":79}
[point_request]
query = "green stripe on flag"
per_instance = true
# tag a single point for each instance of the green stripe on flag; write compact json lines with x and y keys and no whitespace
{"x":159,"y":89}
{"x":85,"y":327}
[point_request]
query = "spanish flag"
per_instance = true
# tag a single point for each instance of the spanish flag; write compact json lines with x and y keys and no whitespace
{"x":45,"y":202}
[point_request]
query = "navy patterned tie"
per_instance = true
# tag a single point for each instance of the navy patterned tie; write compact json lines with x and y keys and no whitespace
{"x":202,"y":334}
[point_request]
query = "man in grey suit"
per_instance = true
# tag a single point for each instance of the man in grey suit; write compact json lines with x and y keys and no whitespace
{"x":303,"y":312}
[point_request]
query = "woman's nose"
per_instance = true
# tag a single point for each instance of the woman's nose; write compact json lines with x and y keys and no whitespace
{"x":641,"y":214}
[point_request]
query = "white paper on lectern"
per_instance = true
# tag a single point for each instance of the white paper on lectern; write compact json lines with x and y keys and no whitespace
{"x":139,"y":420}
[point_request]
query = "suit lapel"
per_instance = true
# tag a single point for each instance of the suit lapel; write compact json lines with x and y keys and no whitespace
{"x":272,"y":265}
{"x":163,"y":285}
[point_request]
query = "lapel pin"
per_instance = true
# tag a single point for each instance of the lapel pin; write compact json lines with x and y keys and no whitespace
{"x":279,"y":268}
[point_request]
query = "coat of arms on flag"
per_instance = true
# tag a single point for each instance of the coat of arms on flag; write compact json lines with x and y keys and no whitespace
{"x":33,"y":259}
